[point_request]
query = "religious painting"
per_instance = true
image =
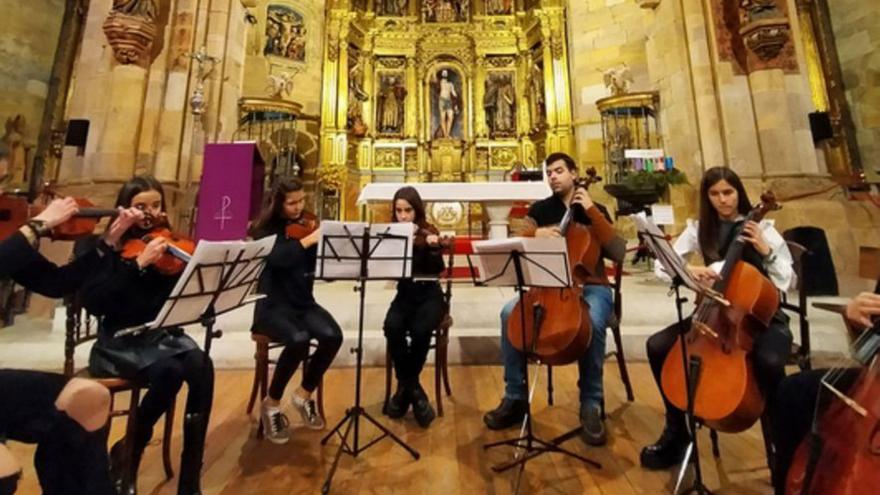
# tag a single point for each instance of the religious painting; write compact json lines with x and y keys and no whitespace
{"x":446,"y":10}
{"x":391,"y":7}
{"x":391,"y":104}
{"x":499,"y":7}
{"x":446,"y":104}
{"x":285,"y":33}
{"x":499,"y":104}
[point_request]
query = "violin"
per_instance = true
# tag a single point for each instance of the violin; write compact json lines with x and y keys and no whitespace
{"x":741,"y":304}
{"x":177,"y":254}
{"x":845,"y":439}
{"x":558,"y":328}
{"x":15,"y":211}
{"x":303,"y":226}
{"x":443,"y":242}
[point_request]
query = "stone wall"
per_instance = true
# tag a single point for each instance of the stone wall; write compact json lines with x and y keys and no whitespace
{"x":857,"y":34}
{"x":27,"y":52}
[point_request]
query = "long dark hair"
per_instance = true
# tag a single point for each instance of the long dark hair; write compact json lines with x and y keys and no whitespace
{"x":411,"y":196}
{"x":710,"y":222}
{"x":137,"y":185}
{"x":271,"y":217}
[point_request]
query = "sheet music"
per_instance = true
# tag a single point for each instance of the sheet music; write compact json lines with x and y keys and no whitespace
{"x":339,"y":257}
{"x":666,"y":256}
{"x":544,"y":264}
{"x":200,"y":280}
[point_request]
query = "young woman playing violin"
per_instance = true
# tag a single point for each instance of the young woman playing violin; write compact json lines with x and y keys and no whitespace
{"x":289,"y":313}
{"x":417,"y":309}
{"x":126,"y":293}
{"x":798,"y":403}
{"x":543,"y":221}
{"x":64,"y":416}
{"x":723,"y":206}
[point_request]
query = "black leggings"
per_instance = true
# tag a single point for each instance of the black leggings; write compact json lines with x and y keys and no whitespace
{"x":295,"y":328}
{"x":164,"y":379}
{"x":792,"y":415}
{"x":416,"y":318}
{"x":769,"y":355}
{"x":69,"y":460}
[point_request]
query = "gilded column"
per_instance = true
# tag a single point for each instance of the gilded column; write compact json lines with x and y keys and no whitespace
{"x":410,"y":120}
{"x":479,"y":119}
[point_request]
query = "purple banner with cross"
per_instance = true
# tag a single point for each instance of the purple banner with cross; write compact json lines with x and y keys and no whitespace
{"x":230,"y":192}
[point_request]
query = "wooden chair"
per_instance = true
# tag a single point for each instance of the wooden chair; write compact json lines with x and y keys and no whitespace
{"x":801,"y":353}
{"x":262,"y":360}
{"x":439,"y":342}
{"x":79,"y":329}
{"x":614,"y":325}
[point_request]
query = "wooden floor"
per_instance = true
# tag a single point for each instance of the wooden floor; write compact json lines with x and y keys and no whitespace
{"x":452,"y":457}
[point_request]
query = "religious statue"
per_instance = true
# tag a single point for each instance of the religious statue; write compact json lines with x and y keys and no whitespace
{"x":392,"y":7}
{"x":447,"y":101}
{"x":499,"y":7}
{"x":499,"y":103}
{"x":14,"y":140}
{"x":536,"y":94}
{"x":446,"y":10}
{"x":138,"y":8}
{"x":356,"y":95}
{"x":281,"y":84}
{"x":392,"y":105}
{"x":618,"y":79}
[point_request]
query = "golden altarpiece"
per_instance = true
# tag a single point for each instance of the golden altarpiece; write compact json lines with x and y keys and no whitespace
{"x":441,"y":90}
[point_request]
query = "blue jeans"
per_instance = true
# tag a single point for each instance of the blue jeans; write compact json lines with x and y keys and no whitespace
{"x":598,"y":297}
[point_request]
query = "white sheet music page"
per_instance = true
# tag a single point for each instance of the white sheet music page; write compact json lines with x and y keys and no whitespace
{"x":338,"y":256}
{"x":391,"y":246}
{"x":545,"y":261}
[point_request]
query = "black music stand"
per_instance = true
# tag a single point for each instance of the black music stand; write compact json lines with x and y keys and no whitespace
{"x":527,"y":271}
{"x":360,"y":250}
{"x":672,"y":264}
{"x":219,"y":277}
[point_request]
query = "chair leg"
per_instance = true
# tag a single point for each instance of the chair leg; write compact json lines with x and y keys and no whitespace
{"x":715,"y":450}
{"x":166,"y":440}
{"x":804,"y":361}
{"x":768,"y":443}
{"x":256,"y":385}
{"x":621,"y":363}
{"x":388,"y":365}
{"x":549,"y":384}
{"x":438,"y":371}
{"x":321,"y":399}
{"x":131,"y":424}
{"x":445,"y":368}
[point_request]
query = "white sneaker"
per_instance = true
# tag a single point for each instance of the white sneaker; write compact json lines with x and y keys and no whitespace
{"x":309,"y":412}
{"x":276,"y":426}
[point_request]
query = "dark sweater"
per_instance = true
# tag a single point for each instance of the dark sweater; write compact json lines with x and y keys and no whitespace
{"x":289,"y":276}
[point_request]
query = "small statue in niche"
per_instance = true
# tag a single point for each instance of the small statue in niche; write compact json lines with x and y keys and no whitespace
{"x":392,"y":105}
{"x":446,"y":10}
{"x":499,"y":103}
{"x":447,"y":98}
{"x":14,"y":140}
{"x":536,"y":94}
{"x":618,"y":79}
{"x":499,"y":7}
{"x":138,"y":8}
{"x":356,"y":96}
{"x":392,"y":7}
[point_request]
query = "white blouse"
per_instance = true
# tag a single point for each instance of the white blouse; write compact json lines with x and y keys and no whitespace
{"x":780,"y":268}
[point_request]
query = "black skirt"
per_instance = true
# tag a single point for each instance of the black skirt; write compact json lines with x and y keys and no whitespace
{"x":125,"y":357}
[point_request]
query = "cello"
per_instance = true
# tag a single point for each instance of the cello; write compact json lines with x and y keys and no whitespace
{"x":563,"y":330}
{"x":845,"y":438}
{"x":720,"y":340}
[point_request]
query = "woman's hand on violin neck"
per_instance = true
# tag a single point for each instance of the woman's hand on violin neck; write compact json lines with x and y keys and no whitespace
{"x":548,"y":231}
{"x":862,"y":308}
{"x":704,"y":275}
{"x":751,"y":232}
{"x":58,"y":212}
{"x":311,"y":239}
{"x":126,"y":218}
{"x":432,"y":239}
{"x":582,"y":197}
{"x":152,"y":252}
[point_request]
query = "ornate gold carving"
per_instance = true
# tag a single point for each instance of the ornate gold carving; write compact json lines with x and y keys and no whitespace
{"x":391,"y":62}
{"x":766,"y":37}
{"x":388,"y":158}
{"x":504,"y":158}
{"x":447,"y":214}
{"x":332,"y":176}
{"x":505,"y":61}
{"x":130,"y":29}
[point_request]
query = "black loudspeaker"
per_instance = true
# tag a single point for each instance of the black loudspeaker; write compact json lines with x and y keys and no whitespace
{"x":77,"y":133}
{"x":820,"y":126}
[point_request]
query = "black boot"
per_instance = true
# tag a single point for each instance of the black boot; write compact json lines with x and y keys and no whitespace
{"x":422,"y":409}
{"x":509,"y":413}
{"x":118,"y":467}
{"x":195,"y":429}
{"x":669,"y":449}
{"x":398,"y":404}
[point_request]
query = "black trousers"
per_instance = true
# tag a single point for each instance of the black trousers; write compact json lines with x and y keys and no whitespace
{"x":295,"y":328}
{"x":415,"y":315}
{"x":769,"y":355}
{"x":69,"y":460}
{"x":791,"y":417}
{"x":165,"y":378}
